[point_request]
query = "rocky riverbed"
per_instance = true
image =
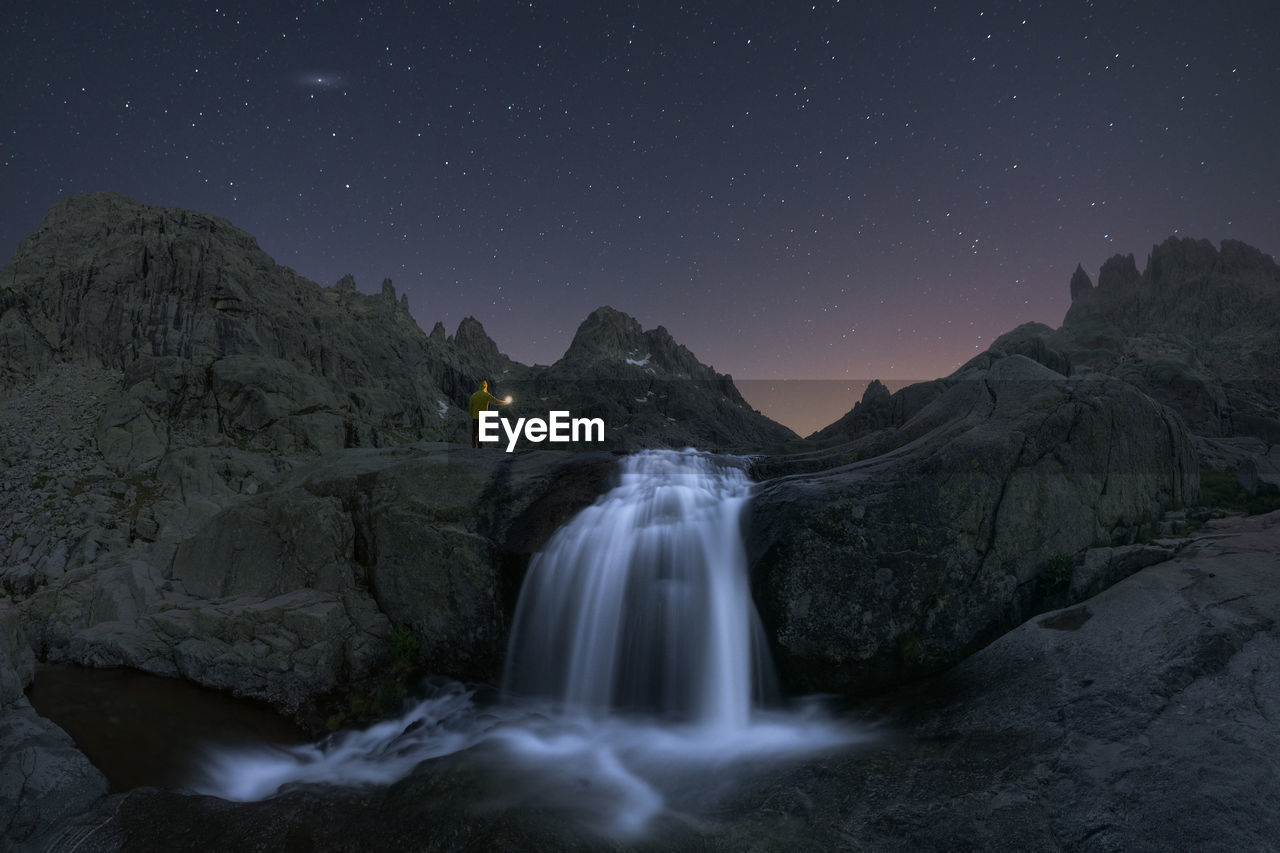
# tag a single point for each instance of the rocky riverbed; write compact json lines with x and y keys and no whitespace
{"x":1140,"y":719}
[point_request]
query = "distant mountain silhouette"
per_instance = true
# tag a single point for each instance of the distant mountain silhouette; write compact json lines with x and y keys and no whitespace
{"x":215,"y":342}
{"x":1198,"y":329}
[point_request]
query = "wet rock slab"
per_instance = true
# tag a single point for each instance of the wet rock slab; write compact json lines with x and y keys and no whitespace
{"x":1142,"y":719}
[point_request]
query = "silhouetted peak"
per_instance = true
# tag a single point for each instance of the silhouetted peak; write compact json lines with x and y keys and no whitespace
{"x":610,"y":320}
{"x":471,"y":338}
{"x":102,"y":230}
{"x":876,"y":392}
{"x":1181,"y":258}
{"x":1080,"y":283}
{"x":606,"y":332}
{"x":1117,"y":272}
{"x":1188,"y":288}
{"x":1237,"y":257}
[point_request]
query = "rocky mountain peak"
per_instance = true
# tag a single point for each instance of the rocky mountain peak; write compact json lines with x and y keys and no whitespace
{"x":1118,"y":272}
{"x":1194,"y":330}
{"x":1181,"y":258}
{"x":1188,"y":288}
{"x":606,"y":334}
{"x":610,"y":340}
{"x":210,"y":338}
{"x":1080,"y":282}
{"x":875,"y":393}
{"x":474,"y":343}
{"x":1240,"y":258}
{"x":874,"y":411}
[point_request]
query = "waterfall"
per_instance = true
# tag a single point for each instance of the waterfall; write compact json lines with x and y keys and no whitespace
{"x":636,"y":626}
{"x":641,"y":602}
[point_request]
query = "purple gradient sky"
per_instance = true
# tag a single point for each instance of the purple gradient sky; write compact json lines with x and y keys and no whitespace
{"x":832,"y":190}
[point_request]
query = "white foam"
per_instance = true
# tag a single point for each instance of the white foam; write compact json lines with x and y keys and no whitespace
{"x":615,"y":774}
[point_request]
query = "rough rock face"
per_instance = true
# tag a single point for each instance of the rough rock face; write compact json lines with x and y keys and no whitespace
{"x":277,"y":576}
{"x":1188,"y":288}
{"x":45,"y":782}
{"x":1260,"y":474}
{"x":215,"y":340}
{"x":291,"y":592}
{"x":17,"y":664}
{"x":1080,"y":282}
{"x":177,"y":496}
{"x":945,"y":531}
{"x":1195,"y":329}
{"x":1138,"y":720}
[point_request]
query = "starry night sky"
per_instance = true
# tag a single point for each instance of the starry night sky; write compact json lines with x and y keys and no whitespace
{"x":841,"y":190}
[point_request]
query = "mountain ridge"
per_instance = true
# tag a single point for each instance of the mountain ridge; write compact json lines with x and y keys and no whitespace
{"x":1197,"y":329}
{"x":164,"y":294}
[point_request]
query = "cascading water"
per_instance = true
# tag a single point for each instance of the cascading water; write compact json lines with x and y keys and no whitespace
{"x":637,"y":666}
{"x":641,"y":604}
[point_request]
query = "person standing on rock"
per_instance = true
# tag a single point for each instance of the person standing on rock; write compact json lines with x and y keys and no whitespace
{"x":480,"y":401}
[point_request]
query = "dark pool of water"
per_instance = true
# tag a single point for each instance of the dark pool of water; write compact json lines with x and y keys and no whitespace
{"x":141,"y":729}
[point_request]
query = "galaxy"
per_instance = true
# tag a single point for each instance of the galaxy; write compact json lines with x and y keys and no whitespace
{"x":799,"y":191}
